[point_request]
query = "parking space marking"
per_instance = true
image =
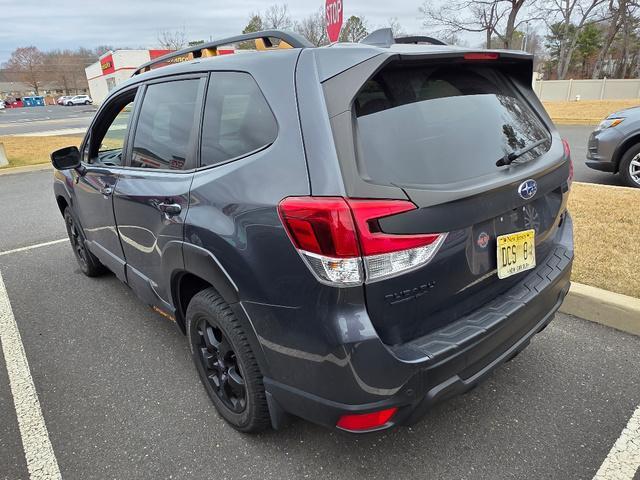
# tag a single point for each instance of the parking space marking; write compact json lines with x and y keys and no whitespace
{"x":623,"y":460}
{"x":31,"y":247}
{"x":38,"y":452}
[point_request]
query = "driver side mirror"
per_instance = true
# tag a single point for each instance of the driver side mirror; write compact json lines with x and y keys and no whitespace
{"x":66,"y":158}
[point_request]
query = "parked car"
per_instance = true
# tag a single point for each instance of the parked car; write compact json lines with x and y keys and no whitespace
{"x":348,"y":235}
{"x":614,"y":146}
{"x":63,"y":100}
{"x":78,"y":100}
{"x":2,"y":107}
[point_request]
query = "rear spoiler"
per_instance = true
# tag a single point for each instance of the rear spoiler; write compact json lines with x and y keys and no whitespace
{"x":263,"y":41}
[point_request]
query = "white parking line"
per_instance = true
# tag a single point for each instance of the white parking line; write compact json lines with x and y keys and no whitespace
{"x":623,"y":460}
{"x":38,"y":452}
{"x":31,"y":247}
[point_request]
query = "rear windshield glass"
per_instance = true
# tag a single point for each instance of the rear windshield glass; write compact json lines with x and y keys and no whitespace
{"x":440,"y":124}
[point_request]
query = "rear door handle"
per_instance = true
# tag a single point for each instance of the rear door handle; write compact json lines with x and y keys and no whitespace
{"x":106,"y":190}
{"x":170,"y":209}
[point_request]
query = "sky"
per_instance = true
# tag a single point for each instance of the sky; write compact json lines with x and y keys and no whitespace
{"x":58,"y":24}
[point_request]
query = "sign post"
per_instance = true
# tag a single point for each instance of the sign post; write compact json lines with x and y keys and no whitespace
{"x":333,"y":12}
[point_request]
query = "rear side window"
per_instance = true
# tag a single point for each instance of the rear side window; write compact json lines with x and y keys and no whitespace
{"x":167,"y":125}
{"x":237,"y":118}
{"x":440,"y":124}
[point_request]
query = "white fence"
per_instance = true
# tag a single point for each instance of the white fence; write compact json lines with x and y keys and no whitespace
{"x":604,"y":89}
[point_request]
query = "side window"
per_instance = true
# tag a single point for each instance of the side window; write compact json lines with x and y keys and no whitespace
{"x":167,"y":125}
{"x":237,"y":118}
{"x":107,"y":139}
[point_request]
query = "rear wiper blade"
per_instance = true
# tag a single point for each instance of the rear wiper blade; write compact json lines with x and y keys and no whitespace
{"x":510,"y":157}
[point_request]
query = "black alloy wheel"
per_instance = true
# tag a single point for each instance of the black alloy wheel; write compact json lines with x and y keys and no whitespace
{"x":225,"y":361}
{"x":220,"y":364}
{"x":89,"y":264}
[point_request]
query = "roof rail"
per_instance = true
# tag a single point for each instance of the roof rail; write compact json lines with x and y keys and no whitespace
{"x":209,"y":49}
{"x":415,"y":39}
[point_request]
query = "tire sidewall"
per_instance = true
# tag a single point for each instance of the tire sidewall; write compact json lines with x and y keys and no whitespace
{"x":197,"y":311}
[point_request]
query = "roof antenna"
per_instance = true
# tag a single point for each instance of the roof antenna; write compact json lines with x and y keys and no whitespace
{"x":383,"y":37}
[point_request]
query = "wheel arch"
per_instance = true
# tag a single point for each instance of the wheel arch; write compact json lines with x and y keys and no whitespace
{"x":622,"y":149}
{"x":200,"y":274}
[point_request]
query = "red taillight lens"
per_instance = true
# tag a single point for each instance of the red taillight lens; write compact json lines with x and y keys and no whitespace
{"x":321,"y":225}
{"x":375,"y":242}
{"x":337,"y":236}
{"x":481,"y":56}
{"x":567,"y":155}
{"x":366,"y":421}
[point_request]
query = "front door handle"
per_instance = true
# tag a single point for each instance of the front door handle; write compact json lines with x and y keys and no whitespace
{"x":106,"y":190}
{"x":170,"y":209}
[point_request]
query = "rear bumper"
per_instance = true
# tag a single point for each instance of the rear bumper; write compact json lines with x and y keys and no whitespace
{"x":449,"y":361}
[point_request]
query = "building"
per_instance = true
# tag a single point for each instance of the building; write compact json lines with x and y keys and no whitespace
{"x":113,"y":68}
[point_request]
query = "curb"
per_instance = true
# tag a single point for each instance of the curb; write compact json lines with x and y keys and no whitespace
{"x":601,"y":306}
{"x":26,"y":169}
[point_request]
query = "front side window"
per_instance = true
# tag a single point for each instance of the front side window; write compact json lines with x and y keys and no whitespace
{"x":237,"y":118}
{"x":108,"y":136}
{"x":167,"y":125}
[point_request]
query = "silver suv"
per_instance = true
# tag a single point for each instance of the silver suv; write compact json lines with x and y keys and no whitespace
{"x":614,"y":146}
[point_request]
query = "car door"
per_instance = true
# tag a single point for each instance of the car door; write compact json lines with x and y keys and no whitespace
{"x":152,"y":194}
{"x":103,"y":157}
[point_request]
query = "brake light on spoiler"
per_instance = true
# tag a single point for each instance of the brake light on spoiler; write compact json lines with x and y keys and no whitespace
{"x":341,"y":241}
{"x":481,"y":56}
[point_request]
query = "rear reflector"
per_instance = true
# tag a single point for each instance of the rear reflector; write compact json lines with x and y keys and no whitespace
{"x":366,"y":421}
{"x":337,"y":236}
{"x":482,"y":56}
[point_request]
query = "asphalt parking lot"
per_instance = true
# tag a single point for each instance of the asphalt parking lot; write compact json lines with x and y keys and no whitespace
{"x":120,"y":398}
{"x":49,"y":120}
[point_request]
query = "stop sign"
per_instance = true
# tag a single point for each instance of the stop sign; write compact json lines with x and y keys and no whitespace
{"x":333,"y":11}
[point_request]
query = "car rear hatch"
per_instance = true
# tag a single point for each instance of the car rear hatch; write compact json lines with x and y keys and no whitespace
{"x":462,"y":136}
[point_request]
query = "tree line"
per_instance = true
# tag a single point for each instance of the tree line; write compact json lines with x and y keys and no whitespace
{"x":581,"y":38}
{"x":62,"y":68}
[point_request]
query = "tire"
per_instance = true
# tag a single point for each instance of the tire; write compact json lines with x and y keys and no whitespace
{"x":630,"y":166}
{"x":225,"y":362}
{"x":69,"y":104}
{"x":87,"y":261}
{"x":87,"y":102}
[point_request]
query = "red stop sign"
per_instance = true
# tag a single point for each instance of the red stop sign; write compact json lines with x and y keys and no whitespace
{"x":333,"y":11}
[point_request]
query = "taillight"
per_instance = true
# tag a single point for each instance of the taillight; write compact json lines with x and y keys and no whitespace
{"x":341,"y":241}
{"x":361,"y":422}
{"x":567,"y":155}
{"x":481,"y":56}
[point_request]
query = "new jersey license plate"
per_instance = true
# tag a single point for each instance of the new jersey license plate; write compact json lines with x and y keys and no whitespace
{"x":516,"y":253}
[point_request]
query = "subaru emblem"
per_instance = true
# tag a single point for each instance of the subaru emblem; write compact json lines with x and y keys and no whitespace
{"x":528,"y":189}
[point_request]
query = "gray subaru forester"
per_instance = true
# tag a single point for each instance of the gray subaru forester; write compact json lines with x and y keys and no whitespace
{"x":347,"y":234}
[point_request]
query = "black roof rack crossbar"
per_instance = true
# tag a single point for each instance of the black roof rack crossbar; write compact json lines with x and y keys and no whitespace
{"x":292,"y":39}
{"x":419,"y":39}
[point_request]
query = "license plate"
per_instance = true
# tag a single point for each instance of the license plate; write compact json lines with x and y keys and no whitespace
{"x":516,"y":253}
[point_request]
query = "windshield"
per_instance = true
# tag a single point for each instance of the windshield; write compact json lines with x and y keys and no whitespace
{"x":438,"y":124}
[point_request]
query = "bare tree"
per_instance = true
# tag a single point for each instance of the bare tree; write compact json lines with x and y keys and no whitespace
{"x":314,"y":28}
{"x":494,"y":18}
{"x":277,"y":17}
{"x":396,"y":28}
{"x":619,"y":13}
{"x":571,"y":16}
{"x":172,"y":39}
{"x":28,"y":64}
